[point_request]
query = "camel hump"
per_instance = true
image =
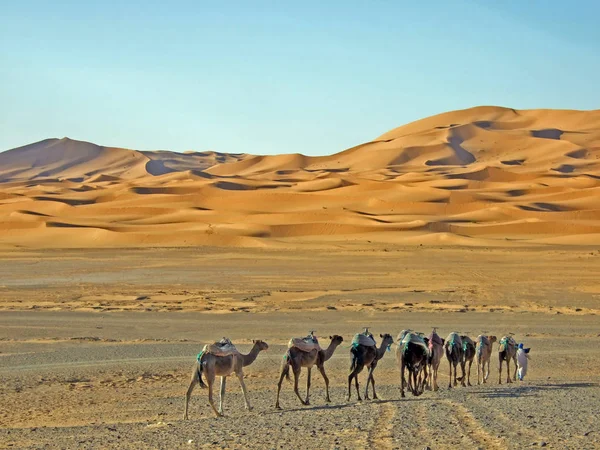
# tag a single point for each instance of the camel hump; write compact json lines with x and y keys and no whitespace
{"x":363,"y":339}
{"x":306,"y":344}
{"x":415,"y":339}
{"x":434,"y":338}
{"x":222,"y":348}
{"x":454,"y":339}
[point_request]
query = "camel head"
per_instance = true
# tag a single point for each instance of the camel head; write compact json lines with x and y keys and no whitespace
{"x":335,"y":339}
{"x":260,"y":344}
{"x":387,"y":340}
{"x":492,"y":339}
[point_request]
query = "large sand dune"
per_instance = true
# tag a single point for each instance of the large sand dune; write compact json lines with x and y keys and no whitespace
{"x":482,"y":176}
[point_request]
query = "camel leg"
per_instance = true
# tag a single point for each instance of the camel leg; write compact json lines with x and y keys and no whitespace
{"x":357,"y":388}
{"x":366,"y":397}
{"x":463,"y":377}
{"x":284,"y":370}
{"x":455,"y":374}
{"x":322,"y":370}
{"x":402,"y":380}
{"x":222,"y":394}
{"x":450,"y":375}
{"x":188,"y":394}
{"x":487,"y":373}
{"x":350,"y":385}
{"x":508,"y":380}
{"x":426,"y":374}
{"x":307,"y":402}
{"x":372,"y":382}
{"x":354,"y":374}
{"x":417,"y":382}
{"x":435,"y":375}
{"x":500,"y":362}
{"x":469,"y":373}
{"x":240,"y":376}
{"x":429,"y":381}
{"x":296,"y":376}
{"x":516,"y":368}
{"x":211,"y":380}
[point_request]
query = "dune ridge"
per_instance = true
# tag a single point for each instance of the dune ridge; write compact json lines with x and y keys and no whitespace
{"x":481,"y":176}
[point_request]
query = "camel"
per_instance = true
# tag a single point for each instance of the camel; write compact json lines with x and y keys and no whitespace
{"x":506,"y":352}
{"x":436,"y":348}
{"x":483,"y":353}
{"x":222,"y":366}
{"x":468,"y":347}
{"x":366,"y":356}
{"x":412,"y":353}
{"x":454,"y":353}
{"x":297,"y":359}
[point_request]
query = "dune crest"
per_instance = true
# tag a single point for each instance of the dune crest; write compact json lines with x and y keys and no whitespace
{"x":480,"y":176}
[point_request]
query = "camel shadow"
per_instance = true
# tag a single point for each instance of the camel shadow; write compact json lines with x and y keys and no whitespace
{"x":346,"y":405}
{"x":530,"y":390}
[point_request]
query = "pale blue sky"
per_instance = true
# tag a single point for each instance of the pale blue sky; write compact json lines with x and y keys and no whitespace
{"x":313,"y":77}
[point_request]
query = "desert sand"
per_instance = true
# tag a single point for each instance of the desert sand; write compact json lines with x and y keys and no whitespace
{"x":117,"y":266}
{"x":97,"y":345}
{"x":481,"y":176}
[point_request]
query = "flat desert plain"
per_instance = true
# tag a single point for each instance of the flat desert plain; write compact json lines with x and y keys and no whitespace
{"x":97,"y":345}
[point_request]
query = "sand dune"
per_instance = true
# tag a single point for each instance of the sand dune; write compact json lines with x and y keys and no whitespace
{"x":481,"y":176}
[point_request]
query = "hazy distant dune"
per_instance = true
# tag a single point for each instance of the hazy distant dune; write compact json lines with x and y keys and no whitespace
{"x":480,"y":176}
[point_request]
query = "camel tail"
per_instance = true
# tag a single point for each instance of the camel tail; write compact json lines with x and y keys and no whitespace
{"x":286,"y":366}
{"x":199,"y":368}
{"x":353,"y":363}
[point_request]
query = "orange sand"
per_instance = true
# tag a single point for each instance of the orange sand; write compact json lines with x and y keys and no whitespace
{"x":481,"y":176}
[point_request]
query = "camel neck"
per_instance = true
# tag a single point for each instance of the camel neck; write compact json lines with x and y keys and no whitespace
{"x":381,"y":350}
{"x":250,"y":357}
{"x":329,"y":351}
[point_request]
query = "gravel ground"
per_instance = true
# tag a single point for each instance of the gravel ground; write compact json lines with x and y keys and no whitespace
{"x":88,"y":380}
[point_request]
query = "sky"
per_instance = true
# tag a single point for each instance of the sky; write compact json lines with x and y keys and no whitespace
{"x":268,"y":77}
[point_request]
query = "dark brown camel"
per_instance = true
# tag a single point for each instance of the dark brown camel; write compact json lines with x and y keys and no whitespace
{"x":454,"y":353}
{"x":506,"y":352}
{"x":367,"y":356}
{"x":468,"y":347}
{"x":223,"y":366}
{"x":297,"y":359}
{"x":412,"y":353}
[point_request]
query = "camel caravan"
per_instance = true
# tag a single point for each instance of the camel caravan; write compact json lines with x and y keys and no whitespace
{"x":418,"y":358}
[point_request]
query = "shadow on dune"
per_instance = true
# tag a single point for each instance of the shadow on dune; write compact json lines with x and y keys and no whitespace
{"x":548,"y":133}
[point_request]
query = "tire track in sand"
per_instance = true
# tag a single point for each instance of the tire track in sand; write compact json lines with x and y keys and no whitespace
{"x":472,"y":428}
{"x":381,"y":435}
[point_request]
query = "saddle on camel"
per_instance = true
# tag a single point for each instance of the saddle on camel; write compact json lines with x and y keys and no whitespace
{"x":365,"y":338}
{"x":222,"y":348}
{"x":305,"y":344}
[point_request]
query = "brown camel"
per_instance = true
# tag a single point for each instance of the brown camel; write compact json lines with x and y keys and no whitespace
{"x":412,"y":353}
{"x":436,"y":348}
{"x":297,"y":359}
{"x":506,"y":352}
{"x":483,"y":353}
{"x":468,"y":347}
{"x":222,"y":366}
{"x":366,"y":356}
{"x":454,"y":354}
